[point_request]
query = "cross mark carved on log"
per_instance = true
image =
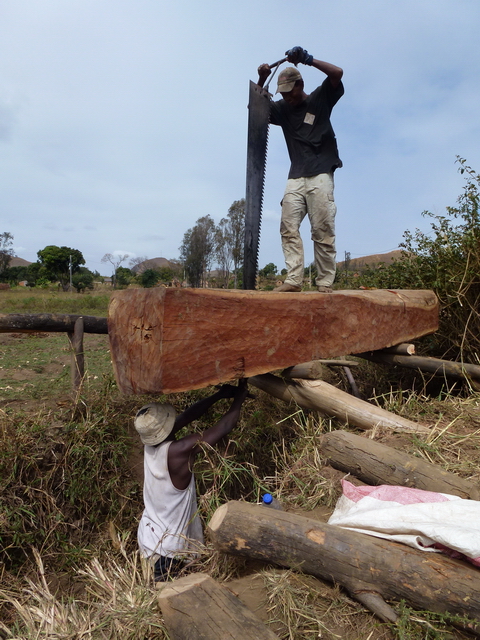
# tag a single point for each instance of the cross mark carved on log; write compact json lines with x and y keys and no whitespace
{"x":146,"y":330}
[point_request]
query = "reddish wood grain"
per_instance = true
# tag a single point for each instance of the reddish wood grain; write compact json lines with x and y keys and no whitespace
{"x":166,"y":340}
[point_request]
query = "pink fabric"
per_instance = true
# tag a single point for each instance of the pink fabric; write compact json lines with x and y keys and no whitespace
{"x":388,"y":493}
{"x":390,"y":512}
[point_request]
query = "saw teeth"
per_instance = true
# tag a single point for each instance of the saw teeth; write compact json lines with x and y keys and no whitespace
{"x":258,"y":121}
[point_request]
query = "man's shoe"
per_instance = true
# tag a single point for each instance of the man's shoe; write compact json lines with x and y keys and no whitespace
{"x":323,"y":289}
{"x":288,"y":287}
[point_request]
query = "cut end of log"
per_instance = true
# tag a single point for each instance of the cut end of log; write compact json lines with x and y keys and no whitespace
{"x":218,"y":517}
{"x":182,"y":584}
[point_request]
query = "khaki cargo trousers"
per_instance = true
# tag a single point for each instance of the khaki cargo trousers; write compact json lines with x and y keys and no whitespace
{"x":312,"y":196}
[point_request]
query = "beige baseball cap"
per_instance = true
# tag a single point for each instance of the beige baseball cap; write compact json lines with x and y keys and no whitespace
{"x":154,"y":422}
{"x":287,"y":78}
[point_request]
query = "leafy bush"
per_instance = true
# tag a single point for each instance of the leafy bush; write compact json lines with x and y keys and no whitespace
{"x":447,"y":260}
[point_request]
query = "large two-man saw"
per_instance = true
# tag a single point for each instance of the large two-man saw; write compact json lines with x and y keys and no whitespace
{"x":257,"y":139}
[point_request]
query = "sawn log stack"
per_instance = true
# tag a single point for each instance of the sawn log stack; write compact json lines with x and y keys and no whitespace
{"x":167,"y":340}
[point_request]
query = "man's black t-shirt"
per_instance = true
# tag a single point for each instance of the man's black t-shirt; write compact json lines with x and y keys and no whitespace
{"x":309,"y":135}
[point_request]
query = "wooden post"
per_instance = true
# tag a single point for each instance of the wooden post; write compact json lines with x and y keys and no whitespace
{"x":364,"y":565}
{"x":375,"y":463}
{"x":320,"y":396}
{"x":78,"y":356}
{"x":196,"y":607}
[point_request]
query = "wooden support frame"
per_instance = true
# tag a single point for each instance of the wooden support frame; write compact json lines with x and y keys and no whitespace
{"x":78,"y":355}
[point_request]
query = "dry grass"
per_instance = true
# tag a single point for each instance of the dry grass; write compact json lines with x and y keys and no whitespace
{"x":86,"y":580}
{"x":118,"y":601}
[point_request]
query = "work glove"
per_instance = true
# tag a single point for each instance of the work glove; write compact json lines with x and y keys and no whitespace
{"x":297,"y":54}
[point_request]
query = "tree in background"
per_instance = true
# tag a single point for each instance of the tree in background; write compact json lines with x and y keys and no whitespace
{"x":268,"y":271}
{"x":83,"y":279}
{"x":59,"y":262}
{"x":33,"y":273}
{"x":197,"y":251}
{"x":236,"y":216}
{"x":14,"y":275}
{"x":229,"y":241}
{"x":223,"y":249}
{"x":446,"y":260}
{"x":134,"y":262}
{"x":149,"y":278}
{"x":115,"y":260}
{"x":6,"y":251}
{"x":123,"y":276}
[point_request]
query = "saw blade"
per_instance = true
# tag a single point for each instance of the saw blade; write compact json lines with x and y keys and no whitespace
{"x":257,"y":139}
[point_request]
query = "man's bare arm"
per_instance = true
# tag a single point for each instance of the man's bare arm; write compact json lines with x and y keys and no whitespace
{"x":332,"y":71}
{"x":199,"y":409}
{"x":182,"y":452}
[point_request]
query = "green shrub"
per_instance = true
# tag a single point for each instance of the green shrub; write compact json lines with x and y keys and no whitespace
{"x":446,"y":260}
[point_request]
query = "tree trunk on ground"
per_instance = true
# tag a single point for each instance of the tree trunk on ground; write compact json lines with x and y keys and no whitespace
{"x":328,"y":400}
{"x":196,"y":607}
{"x":220,"y":335}
{"x":371,"y":569}
{"x":375,"y":463}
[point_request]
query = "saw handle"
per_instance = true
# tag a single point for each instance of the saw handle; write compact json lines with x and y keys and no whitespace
{"x":275,"y":64}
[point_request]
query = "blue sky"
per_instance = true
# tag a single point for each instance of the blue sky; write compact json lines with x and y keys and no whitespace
{"x":124,"y":121}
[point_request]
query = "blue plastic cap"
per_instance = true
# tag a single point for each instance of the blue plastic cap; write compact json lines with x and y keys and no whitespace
{"x":267,"y":498}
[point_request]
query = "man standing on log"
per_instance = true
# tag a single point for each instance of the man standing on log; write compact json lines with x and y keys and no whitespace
{"x":312,"y":147}
{"x":170,"y":528}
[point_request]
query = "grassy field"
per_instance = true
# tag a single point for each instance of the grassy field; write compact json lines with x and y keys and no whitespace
{"x":71,"y":492}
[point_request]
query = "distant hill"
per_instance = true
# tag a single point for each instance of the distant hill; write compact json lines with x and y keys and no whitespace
{"x":369,"y":261}
{"x":153,"y":263}
{"x":18,"y":262}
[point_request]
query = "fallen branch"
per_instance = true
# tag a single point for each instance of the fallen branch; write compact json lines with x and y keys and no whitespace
{"x":328,"y":400}
{"x":458,"y":370}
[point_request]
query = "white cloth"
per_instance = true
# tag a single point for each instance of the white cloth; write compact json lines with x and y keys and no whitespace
{"x":312,"y":196}
{"x":425,"y":520}
{"x":170,"y":525}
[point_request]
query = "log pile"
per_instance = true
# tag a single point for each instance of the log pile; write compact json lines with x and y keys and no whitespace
{"x":371,"y":569}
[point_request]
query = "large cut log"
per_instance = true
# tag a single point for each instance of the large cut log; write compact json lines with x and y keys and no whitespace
{"x":196,"y":607}
{"x":317,"y":395}
{"x":375,"y":463}
{"x":444,"y":368}
{"x":371,"y":569}
{"x":49,"y":322}
{"x":165,"y":340}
